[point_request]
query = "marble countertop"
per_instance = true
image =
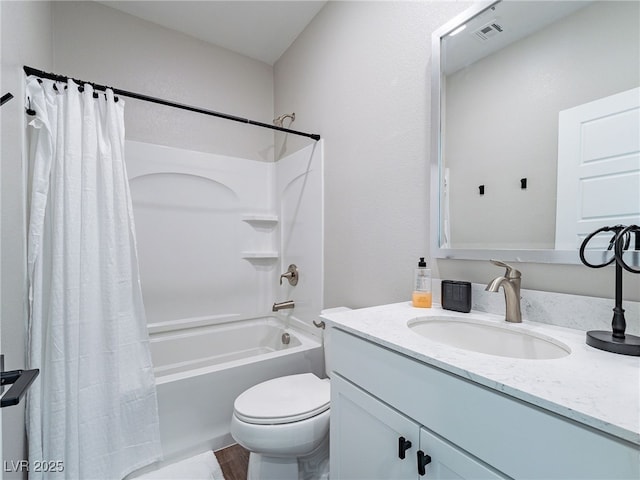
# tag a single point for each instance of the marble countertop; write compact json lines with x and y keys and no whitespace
{"x":590,"y":386}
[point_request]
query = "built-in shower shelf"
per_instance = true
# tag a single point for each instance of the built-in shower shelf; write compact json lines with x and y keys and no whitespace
{"x":261,"y":240}
{"x":266,"y":255}
{"x":260,"y":219}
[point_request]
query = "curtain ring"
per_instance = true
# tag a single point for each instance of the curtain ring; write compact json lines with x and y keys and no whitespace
{"x":30,"y":111}
{"x":619,"y":248}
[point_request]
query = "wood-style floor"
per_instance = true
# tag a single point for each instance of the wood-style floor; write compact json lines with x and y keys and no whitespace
{"x":233,"y":461}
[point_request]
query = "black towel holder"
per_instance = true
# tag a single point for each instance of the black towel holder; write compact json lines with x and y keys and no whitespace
{"x":5,"y":98}
{"x":20,"y":380}
{"x":616,"y":340}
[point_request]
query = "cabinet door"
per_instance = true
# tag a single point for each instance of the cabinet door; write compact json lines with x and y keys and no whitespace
{"x":365,"y":437}
{"x":447,"y":462}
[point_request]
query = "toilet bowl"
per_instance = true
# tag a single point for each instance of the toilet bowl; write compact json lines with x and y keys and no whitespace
{"x":284,"y":423}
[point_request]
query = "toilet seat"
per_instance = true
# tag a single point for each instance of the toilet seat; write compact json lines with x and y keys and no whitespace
{"x":283,"y":400}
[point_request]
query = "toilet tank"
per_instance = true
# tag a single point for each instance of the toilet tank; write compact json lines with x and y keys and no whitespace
{"x":327,"y":337}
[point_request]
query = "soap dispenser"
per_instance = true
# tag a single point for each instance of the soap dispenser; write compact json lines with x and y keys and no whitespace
{"x":422,"y":285}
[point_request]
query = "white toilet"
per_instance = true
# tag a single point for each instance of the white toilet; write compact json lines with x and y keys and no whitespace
{"x":284,"y":423}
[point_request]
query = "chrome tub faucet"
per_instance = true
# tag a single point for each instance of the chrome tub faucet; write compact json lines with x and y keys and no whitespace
{"x":510,"y":283}
{"x":282,"y":305}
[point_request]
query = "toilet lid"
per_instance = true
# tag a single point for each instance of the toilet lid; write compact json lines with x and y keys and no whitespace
{"x":283,"y":400}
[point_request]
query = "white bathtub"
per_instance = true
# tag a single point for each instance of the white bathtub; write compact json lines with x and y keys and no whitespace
{"x":202,"y":364}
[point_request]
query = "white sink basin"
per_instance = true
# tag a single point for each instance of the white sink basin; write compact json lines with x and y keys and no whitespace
{"x":483,"y":337}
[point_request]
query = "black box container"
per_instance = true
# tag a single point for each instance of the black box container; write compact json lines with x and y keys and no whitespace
{"x":456,"y":295}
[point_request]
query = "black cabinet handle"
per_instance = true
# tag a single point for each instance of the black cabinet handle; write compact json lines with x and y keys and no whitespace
{"x":423,"y":461}
{"x":403,"y":446}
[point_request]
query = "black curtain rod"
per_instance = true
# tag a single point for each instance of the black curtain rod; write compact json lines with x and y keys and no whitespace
{"x":160,"y":101}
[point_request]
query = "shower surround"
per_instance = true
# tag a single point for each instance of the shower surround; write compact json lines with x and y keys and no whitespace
{"x":214,"y":233}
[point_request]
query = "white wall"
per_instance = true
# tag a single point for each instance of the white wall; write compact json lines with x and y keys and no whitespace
{"x":299,"y":204}
{"x":189,"y":209}
{"x":215,"y":232}
{"x":96,"y":43}
{"x":25,"y":38}
{"x":360,"y":76}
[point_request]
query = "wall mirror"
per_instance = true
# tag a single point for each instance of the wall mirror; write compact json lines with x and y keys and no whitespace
{"x":536,"y":126}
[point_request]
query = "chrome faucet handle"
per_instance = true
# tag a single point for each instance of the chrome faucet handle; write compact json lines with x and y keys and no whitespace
{"x":291,"y":275}
{"x":511,"y":271}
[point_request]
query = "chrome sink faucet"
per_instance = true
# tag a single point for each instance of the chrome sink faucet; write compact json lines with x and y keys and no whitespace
{"x":510,"y":283}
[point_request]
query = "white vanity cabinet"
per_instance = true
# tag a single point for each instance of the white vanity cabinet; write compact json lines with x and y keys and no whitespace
{"x":372,"y":441}
{"x":469,"y":431}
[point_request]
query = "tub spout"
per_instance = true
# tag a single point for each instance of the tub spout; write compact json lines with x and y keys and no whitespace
{"x":283,"y":305}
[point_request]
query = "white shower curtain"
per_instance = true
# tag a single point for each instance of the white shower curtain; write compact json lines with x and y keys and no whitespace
{"x":92,"y":412}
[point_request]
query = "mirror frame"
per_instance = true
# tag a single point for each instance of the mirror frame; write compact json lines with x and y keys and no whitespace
{"x":513,"y":255}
